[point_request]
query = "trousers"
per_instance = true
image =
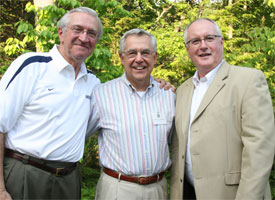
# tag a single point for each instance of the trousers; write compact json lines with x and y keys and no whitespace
{"x":24,"y":181}
{"x":109,"y":188}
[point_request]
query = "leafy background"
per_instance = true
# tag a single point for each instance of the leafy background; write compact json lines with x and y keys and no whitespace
{"x":247,"y":26}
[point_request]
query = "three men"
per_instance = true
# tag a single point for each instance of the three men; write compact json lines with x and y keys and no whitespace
{"x":224,"y":142}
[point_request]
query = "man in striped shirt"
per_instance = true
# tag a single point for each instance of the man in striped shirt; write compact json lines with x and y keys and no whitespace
{"x":134,"y":119}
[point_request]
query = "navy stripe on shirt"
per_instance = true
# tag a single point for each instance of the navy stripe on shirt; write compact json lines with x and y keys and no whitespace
{"x":40,"y":59}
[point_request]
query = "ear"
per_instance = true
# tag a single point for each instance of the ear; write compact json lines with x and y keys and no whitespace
{"x":186,"y":47}
{"x":222,"y":41}
{"x":121,"y":57}
{"x":155,"y":58}
{"x":60,"y":34}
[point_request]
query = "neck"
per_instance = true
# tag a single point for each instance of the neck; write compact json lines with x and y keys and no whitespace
{"x":140,"y":85}
{"x":202,"y":72}
{"x":76,"y":64}
{"x":76,"y":70}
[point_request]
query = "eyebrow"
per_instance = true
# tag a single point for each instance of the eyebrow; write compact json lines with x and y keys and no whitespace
{"x":79,"y":26}
{"x":209,"y":34}
{"x":147,"y":49}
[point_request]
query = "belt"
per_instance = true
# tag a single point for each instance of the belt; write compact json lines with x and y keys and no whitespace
{"x":134,"y":179}
{"x":30,"y":160}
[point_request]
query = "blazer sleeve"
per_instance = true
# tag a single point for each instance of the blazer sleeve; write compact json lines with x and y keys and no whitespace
{"x":258,"y":137}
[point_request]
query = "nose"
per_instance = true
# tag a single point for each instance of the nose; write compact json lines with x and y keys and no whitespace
{"x":83,"y":36}
{"x":139,"y":57}
{"x":203,"y":44}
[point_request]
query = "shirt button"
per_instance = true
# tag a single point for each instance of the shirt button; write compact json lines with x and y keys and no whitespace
{"x":182,"y":156}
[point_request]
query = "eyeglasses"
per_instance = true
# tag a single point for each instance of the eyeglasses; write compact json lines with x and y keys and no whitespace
{"x":197,"y":41}
{"x":133,"y":53}
{"x":77,"y":30}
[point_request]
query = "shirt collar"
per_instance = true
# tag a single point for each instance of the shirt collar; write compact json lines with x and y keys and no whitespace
{"x":132,"y":88}
{"x":208,"y":77}
{"x":83,"y":70}
{"x":62,"y":63}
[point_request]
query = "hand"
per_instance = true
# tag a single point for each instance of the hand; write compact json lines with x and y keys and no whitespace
{"x":165,"y":85}
{"x":4,"y":195}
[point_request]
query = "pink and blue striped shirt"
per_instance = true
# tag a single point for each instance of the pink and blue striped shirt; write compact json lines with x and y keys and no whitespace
{"x":133,"y":130}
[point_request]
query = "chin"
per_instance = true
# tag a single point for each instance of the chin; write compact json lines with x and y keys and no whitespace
{"x":81,"y":56}
{"x":205,"y":64}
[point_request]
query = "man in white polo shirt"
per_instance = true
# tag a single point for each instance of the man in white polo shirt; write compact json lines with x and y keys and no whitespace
{"x":44,"y":109}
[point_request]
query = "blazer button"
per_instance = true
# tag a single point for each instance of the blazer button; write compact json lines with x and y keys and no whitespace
{"x":181,"y":180}
{"x":182,"y":156}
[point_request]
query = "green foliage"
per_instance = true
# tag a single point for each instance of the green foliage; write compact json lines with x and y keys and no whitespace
{"x":11,"y":11}
{"x":90,"y":168}
{"x":259,"y":53}
{"x":69,"y":4}
{"x":272,"y":182}
{"x":270,"y":2}
{"x":247,"y":27}
{"x":172,"y":56}
{"x":3,"y":69}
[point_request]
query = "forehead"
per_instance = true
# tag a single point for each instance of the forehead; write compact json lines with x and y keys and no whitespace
{"x":201,"y":28}
{"x":83,"y":19}
{"x":138,"y":42}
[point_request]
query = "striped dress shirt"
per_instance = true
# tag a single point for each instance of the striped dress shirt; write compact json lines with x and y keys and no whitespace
{"x":133,"y":130}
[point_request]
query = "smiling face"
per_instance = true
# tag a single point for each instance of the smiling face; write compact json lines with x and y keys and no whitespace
{"x":76,"y":47}
{"x":138,"y":68}
{"x":206,"y":55}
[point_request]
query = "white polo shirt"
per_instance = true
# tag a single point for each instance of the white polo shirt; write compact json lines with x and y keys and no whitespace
{"x":43,"y":109}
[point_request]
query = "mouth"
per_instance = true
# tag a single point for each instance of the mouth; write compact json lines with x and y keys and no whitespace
{"x":138,"y":68}
{"x":82,"y":45}
{"x":204,"y":55}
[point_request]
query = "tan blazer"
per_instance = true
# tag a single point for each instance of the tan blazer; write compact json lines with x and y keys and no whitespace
{"x":232,"y":137}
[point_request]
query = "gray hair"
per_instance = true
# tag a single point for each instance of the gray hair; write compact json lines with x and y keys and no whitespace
{"x":139,"y":32}
{"x":65,"y":20}
{"x":200,"y":19}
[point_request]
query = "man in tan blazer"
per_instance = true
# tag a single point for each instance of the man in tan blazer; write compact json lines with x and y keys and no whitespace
{"x":225,"y":138}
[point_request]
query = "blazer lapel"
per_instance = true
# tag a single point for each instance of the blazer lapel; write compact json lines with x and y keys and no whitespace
{"x":185,"y":100}
{"x":216,"y":85}
{"x":188,"y":99}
